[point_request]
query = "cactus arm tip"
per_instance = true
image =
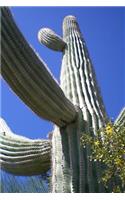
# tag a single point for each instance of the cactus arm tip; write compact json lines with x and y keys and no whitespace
{"x":50,"y":39}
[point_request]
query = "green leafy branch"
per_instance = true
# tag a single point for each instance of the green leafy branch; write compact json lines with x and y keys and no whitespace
{"x":108,"y":148}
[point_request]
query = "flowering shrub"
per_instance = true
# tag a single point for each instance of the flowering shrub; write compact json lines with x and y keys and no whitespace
{"x":108,"y":147}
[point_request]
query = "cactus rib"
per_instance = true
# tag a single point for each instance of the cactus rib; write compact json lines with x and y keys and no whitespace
{"x":50,"y":39}
{"x":23,"y":156}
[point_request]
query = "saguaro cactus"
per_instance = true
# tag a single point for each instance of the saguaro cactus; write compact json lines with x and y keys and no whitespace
{"x":74,"y":106}
{"x":80,"y":87}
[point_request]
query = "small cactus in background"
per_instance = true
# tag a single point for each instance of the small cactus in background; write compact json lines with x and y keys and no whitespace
{"x":74,"y":107}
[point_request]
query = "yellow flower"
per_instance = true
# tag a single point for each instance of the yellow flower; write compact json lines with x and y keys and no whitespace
{"x":118,"y":162}
{"x":109,"y":129}
{"x":96,"y":143}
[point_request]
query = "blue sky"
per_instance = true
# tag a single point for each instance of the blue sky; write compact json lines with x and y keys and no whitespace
{"x":103,"y":29}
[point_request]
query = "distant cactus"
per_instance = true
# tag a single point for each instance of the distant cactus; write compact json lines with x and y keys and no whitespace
{"x":74,"y":106}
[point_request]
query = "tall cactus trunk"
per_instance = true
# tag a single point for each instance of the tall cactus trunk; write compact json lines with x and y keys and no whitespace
{"x":80,"y":87}
{"x":67,"y":165}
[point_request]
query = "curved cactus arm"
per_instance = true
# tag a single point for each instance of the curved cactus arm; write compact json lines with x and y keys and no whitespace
{"x":28,"y":76}
{"x":50,"y":39}
{"x":23,"y":156}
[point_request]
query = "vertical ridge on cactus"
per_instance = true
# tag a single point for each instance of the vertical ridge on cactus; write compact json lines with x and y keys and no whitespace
{"x":61,"y":173}
{"x":80,"y":64}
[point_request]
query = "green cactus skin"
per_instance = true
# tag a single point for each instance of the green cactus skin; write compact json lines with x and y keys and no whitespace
{"x":61,"y":178}
{"x":23,"y":156}
{"x":50,"y":39}
{"x":66,"y":153}
{"x":85,"y":93}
